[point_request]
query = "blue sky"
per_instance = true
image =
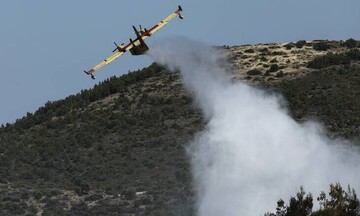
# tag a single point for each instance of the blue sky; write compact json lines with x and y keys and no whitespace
{"x":45,"y":45}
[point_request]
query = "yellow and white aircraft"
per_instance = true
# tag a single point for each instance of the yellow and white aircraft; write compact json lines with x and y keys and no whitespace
{"x":137,"y":46}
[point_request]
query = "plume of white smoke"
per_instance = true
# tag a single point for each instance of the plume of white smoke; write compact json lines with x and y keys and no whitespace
{"x":252,"y":152}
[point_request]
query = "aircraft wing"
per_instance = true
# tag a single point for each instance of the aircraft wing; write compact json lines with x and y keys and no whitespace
{"x":108,"y":60}
{"x":163,"y":22}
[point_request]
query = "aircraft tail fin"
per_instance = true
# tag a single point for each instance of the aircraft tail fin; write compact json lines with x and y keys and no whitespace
{"x":90,"y":72}
{"x":138,"y":35}
{"x":136,"y":32}
{"x":178,"y":12}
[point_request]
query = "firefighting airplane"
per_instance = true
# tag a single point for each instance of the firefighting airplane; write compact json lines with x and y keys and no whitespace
{"x":137,"y":46}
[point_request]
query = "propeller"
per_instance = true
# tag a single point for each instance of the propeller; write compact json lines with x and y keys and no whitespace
{"x":144,"y":31}
{"x":117,"y":46}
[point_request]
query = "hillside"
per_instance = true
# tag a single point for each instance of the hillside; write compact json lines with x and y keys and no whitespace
{"x":319,"y":79}
{"x":120,"y":147}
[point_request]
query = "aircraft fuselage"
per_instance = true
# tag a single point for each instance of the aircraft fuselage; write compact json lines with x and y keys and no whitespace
{"x":139,"y":49}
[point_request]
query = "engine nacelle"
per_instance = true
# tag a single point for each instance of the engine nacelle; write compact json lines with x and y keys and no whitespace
{"x":119,"y":48}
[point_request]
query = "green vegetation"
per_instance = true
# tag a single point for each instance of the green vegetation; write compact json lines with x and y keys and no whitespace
{"x":273,"y":68}
{"x":331,"y":59}
{"x":321,"y":46}
{"x":328,"y":60}
{"x":280,"y":74}
{"x":339,"y":202}
{"x":351,"y":43}
{"x":279,"y":53}
{"x":249,"y":51}
{"x":289,"y":46}
{"x":330,"y":94}
{"x":300,"y":43}
{"x":254,"y":72}
{"x":354,"y":54}
{"x":119,"y":147}
{"x":125,"y":135}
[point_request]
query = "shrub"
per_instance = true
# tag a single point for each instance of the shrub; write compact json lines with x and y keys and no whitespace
{"x":264,"y":50}
{"x":54,"y":192}
{"x":274,"y":67}
{"x":300,"y":43}
{"x":79,"y":209}
{"x":280,"y":74}
{"x":146,"y":200}
{"x":263,"y":58}
{"x":321,"y":46}
{"x":10,"y":199}
{"x":273,"y":60}
{"x":249,"y":51}
{"x":350,"y":43}
{"x":289,"y":46}
{"x":254,"y":72}
{"x":94,"y":197}
{"x":278,"y":53}
{"x":354,"y":54}
{"x":328,"y":60}
{"x":130,"y":194}
{"x":13,"y":208}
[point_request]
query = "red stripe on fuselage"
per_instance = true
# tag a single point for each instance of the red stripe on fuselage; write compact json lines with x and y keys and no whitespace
{"x":153,"y":28}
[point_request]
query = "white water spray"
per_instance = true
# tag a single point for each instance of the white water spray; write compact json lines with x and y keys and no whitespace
{"x":252,"y":152}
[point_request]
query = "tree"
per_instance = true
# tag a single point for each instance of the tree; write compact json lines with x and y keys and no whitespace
{"x":300,"y":43}
{"x":321,"y":46}
{"x":274,"y":67}
{"x":339,"y":203}
{"x":301,"y":205}
{"x":350,"y":43}
{"x":281,"y":208}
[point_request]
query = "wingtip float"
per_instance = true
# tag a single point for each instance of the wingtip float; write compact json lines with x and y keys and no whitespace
{"x":136,"y":46}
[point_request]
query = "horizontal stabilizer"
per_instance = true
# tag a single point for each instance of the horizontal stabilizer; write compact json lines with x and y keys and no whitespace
{"x":178,"y":12}
{"x":90,"y":73}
